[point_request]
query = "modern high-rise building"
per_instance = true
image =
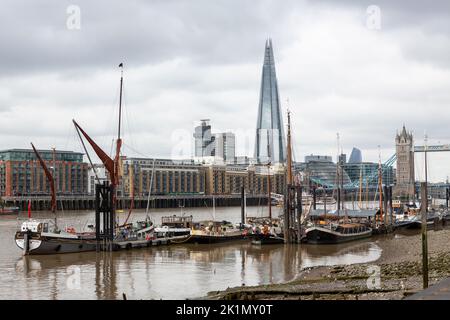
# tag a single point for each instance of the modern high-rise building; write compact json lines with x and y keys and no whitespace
{"x":225,"y":146}
{"x":214,"y":147}
{"x":355,"y":156}
{"x":270,"y":144}
{"x":204,"y":140}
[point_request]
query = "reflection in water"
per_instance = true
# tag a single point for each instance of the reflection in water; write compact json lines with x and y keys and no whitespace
{"x":183,"y":271}
{"x":172,"y":272}
{"x":351,"y":253}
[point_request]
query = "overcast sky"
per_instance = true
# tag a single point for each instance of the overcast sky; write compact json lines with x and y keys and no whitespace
{"x":341,"y":68}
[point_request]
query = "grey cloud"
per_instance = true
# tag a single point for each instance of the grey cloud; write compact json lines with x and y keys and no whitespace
{"x":187,"y":60}
{"x":138,"y":32}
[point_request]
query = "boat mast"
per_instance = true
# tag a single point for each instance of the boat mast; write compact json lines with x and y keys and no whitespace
{"x":131,"y":182}
{"x":269,"y":198}
{"x":120,"y":100}
{"x":150,"y":191}
{"x":342,"y":182}
{"x":54,"y":180}
{"x":426,"y":174}
{"x":360,"y":186}
{"x":380,"y":183}
{"x":338,"y":180}
{"x":119,"y":140}
{"x":289,"y":150}
{"x":287,"y":215}
{"x":112,"y":166}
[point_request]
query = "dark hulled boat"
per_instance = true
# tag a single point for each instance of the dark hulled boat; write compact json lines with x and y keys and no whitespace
{"x":35,"y":238}
{"x":266,"y":231}
{"x":337,"y":233}
{"x":261,"y":239}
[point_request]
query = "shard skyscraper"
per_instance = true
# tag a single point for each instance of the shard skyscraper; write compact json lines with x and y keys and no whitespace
{"x":270,"y":144}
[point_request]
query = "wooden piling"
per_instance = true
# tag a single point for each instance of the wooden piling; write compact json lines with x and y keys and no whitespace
{"x":447,"y":196}
{"x":242,"y":206}
{"x":385,"y":204}
{"x":299,"y":213}
{"x":391,"y":209}
{"x":314,"y":198}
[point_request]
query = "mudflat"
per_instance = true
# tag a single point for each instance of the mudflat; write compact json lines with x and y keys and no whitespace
{"x":395,"y":275}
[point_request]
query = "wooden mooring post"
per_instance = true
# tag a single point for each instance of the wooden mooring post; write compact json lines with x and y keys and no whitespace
{"x":104,"y":216}
{"x":391,"y":209}
{"x":243,"y":206}
{"x":314,"y":198}
{"x":299,"y":213}
{"x":385,"y":206}
{"x":447,"y":196}
{"x":423,"y":210}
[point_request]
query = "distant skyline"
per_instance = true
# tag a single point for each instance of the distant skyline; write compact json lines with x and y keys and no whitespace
{"x":342,"y":69}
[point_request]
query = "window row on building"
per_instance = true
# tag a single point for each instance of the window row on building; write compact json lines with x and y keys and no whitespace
{"x":22,"y":175}
{"x":190,"y":178}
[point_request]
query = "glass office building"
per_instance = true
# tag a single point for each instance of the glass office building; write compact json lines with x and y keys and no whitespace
{"x":270,"y":144}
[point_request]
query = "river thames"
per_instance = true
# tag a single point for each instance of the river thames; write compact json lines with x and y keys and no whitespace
{"x":183,"y":271}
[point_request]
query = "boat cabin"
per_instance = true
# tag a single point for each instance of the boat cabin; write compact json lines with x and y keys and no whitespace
{"x":34,"y":226}
{"x":177,"y":221}
{"x":351,"y":228}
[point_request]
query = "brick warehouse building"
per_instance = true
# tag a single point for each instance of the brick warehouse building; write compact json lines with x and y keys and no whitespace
{"x":22,"y":175}
{"x":188,"y":177}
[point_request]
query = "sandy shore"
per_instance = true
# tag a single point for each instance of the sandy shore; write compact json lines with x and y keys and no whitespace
{"x":400,"y":265}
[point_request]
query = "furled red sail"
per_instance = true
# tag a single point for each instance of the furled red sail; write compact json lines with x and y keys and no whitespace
{"x":107,"y":161}
{"x":49,"y":178}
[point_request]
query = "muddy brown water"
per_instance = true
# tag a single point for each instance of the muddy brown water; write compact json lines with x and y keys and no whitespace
{"x":167,"y":272}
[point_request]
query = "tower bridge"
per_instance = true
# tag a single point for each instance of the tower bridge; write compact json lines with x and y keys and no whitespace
{"x":403,"y":157}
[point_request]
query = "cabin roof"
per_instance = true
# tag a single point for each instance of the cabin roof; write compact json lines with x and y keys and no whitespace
{"x":348,"y":213}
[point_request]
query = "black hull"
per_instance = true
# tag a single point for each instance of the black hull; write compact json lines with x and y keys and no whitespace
{"x":200,"y":239}
{"x":318,"y":236}
{"x":418,"y":224}
{"x":57,"y":246}
{"x":404,"y":225}
{"x":265,"y":240}
{"x":262,"y":239}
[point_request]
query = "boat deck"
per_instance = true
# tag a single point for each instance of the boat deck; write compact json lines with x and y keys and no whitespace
{"x":131,"y":244}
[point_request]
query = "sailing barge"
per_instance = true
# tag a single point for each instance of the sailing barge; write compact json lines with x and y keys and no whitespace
{"x":44,"y":237}
{"x":337,"y":233}
{"x":215,"y":232}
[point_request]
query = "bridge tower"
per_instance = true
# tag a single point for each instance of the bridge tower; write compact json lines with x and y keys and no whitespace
{"x":404,"y":146}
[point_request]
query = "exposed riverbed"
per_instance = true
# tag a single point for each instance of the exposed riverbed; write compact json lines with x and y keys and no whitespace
{"x":399,"y":265}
